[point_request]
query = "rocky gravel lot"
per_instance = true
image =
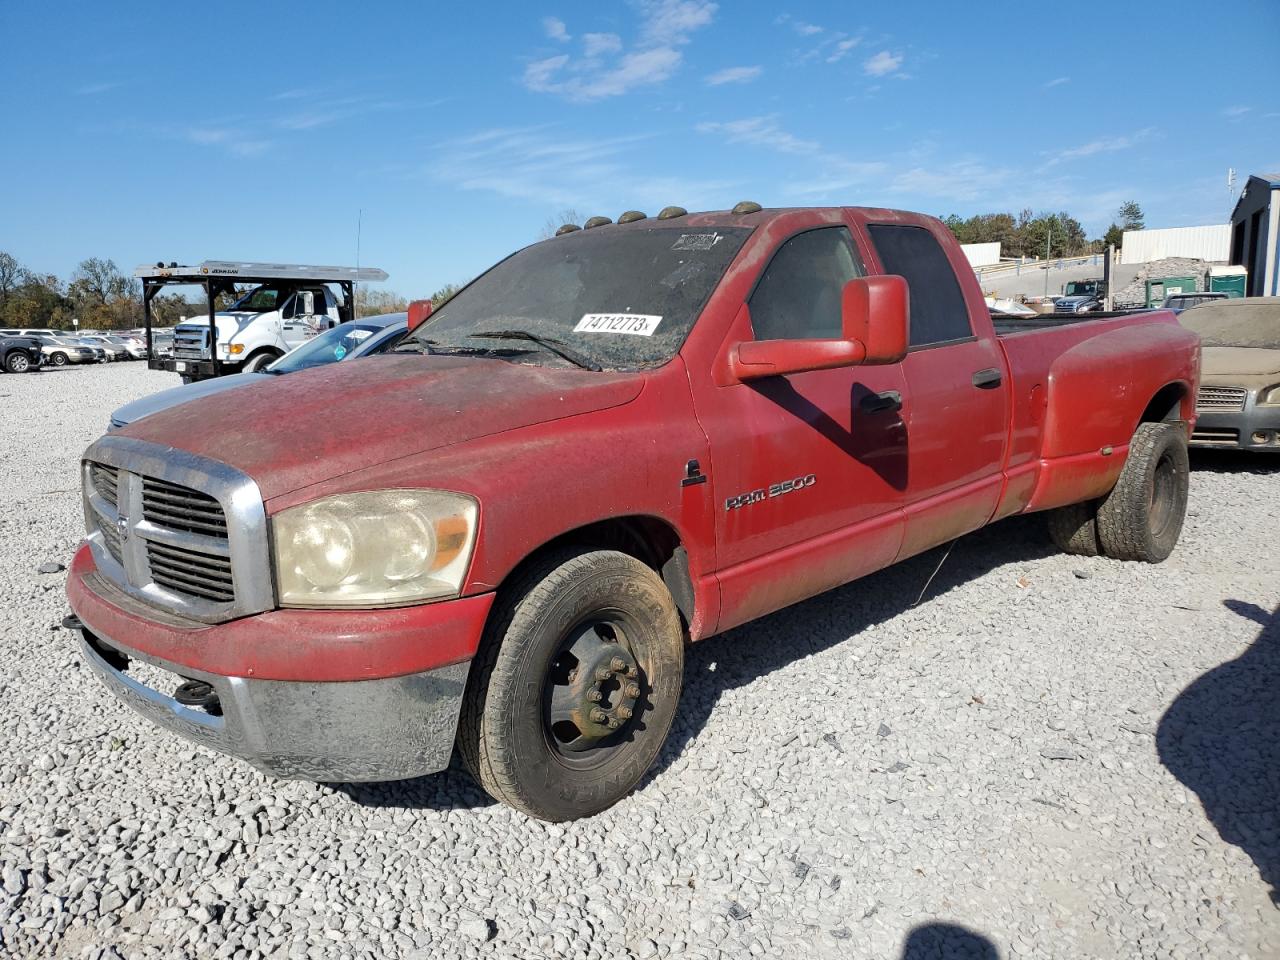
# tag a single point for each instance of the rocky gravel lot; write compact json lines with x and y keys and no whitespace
{"x":1048,"y":757}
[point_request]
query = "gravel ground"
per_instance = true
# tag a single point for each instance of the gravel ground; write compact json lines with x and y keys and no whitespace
{"x":1049,"y":757}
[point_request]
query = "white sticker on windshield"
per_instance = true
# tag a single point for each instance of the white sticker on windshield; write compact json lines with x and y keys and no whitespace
{"x":637,"y":324}
{"x":697,"y":241}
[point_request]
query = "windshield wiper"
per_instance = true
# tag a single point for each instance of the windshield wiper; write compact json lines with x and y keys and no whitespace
{"x":435,"y":347}
{"x":558,"y":347}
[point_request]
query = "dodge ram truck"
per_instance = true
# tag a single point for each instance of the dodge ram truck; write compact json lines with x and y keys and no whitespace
{"x":614,"y":442}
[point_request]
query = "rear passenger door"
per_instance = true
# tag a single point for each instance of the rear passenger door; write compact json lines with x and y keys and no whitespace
{"x":958,"y":416}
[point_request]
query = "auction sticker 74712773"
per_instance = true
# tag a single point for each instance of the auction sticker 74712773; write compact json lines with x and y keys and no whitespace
{"x":637,"y":324}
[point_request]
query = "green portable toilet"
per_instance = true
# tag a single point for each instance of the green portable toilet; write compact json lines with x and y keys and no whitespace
{"x":1228,"y":280}
{"x":1163,"y":287}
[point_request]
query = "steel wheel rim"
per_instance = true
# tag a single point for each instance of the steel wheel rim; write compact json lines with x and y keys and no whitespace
{"x":1163,"y":492}
{"x":588,"y":650}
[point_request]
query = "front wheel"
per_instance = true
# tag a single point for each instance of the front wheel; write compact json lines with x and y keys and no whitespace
{"x":17,"y":362}
{"x":257,"y":362}
{"x":58,"y":359}
{"x":1141,"y":518}
{"x":576,"y":684}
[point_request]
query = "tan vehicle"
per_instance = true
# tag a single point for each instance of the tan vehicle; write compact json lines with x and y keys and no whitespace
{"x":1238,"y":405}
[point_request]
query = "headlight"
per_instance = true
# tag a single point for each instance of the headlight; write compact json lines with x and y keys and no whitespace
{"x":378,"y":549}
{"x":1270,"y":396}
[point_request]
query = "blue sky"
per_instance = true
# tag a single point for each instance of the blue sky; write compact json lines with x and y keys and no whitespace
{"x":460,"y":129}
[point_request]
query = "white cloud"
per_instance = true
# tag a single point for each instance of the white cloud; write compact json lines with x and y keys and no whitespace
{"x":759,"y":131}
{"x":665,"y":26}
{"x":1102,"y":145}
{"x":805,"y":29}
{"x":595,"y":44}
{"x":1057,"y":82}
{"x":555,"y":29}
{"x":93,"y":89}
{"x":734,"y":75}
{"x":226,"y":138}
{"x":672,"y":21}
{"x":1235,"y":112}
{"x":537,"y":165}
{"x":882,"y":64}
{"x":842,"y":49}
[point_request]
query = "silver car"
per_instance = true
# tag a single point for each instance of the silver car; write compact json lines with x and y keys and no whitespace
{"x":346,"y":341}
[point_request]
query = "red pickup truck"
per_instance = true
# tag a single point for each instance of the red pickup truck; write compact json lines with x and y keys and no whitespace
{"x":612,"y":443}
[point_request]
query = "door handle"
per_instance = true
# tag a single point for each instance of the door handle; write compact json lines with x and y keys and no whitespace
{"x":890,"y":400}
{"x":988,"y":379}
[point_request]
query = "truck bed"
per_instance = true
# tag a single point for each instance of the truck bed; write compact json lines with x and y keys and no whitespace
{"x":1007,"y":325}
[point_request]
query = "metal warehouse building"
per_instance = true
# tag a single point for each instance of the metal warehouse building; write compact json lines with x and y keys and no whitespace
{"x":1255,"y":234}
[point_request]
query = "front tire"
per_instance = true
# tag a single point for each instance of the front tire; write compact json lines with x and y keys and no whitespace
{"x":575,"y":686}
{"x":58,"y":359}
{"x":257,"y":362}
{"x":1142,"y":516}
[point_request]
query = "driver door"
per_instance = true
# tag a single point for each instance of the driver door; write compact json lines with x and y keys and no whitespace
{"x":808,"y":469}
{"x":305,"y":315}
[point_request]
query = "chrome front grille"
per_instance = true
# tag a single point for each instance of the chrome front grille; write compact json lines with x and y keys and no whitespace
{"x":182,"y":508}
{"x":178,"y":531}
{"x":1220,"y":398}
{"x":191,"y":343}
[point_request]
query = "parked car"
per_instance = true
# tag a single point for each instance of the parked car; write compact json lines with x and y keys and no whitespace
{"x":613,"y":442}
{"x":109,"y":345}
{"x":1077,"y":304}
{"x":1238,"y":404}
{"x":59,"y":351}
{"x":1185,"y":301}
{"x":19,"y":354}
{"x":347,"y":341}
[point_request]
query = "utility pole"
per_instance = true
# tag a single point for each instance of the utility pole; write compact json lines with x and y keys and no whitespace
{"x":1048,"y":238}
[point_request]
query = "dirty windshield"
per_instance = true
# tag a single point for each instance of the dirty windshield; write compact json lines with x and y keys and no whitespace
{"x":1236,"y":323}
{"x":329,"y":347}
{"x":617,"y":297}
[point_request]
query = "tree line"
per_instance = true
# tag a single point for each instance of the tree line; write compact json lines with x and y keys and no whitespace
{"x":1036,"y":234}
{"x":102,"y":298}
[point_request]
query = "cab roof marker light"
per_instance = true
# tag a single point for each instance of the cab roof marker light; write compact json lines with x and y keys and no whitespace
{"x":594,"y":222}
{"x":747,"y":206}
{"x":631,"y":216}
{"x":567,"y":228}
{"x":670,"y":213}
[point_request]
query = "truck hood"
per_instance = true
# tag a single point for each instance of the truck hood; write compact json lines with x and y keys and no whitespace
{"x":1073,"y":301}
{"x":1223,"y":365}
{"x":290,"y":432}
{"x":229,"y":323}
{"x":123,"y":416}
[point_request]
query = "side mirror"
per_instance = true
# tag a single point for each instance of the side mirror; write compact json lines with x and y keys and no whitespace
{"x":419,"y":310}
{"x":874,"y":324}
{"x":876,"y":311}
{"x":306,"y":304}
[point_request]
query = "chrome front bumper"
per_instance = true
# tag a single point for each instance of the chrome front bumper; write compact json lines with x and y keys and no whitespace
{"x":360,"y":730}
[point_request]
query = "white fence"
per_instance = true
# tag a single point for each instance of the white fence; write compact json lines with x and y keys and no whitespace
{"x":1203,"y":243}
{"x":981,"y":254}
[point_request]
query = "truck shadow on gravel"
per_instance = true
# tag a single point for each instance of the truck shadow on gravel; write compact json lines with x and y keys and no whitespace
{"x":1234,"y":462}
{"x":1221,"y":739}
{"x":743,"y":654}
{"x":947,"y":941}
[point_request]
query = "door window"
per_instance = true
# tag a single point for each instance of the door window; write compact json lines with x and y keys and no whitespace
{"x":798,"y":295}
{"x":938,"y":310}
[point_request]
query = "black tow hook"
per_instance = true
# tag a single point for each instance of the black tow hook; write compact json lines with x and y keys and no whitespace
{"x":72,"y":622}
{"x":197,"y":693}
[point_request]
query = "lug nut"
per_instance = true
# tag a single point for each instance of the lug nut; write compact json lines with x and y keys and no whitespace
{"x":633,"y":673}
{"x":603,"y":673}
{"x":618,"y":664}
{"x":632,"y":691}
{"x":624,"y":713}
{"x":595,"y":696}
{"x":614,"y":723}
{"x":597,"y":715}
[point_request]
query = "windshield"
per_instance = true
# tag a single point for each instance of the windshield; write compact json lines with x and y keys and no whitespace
{"x":329,"y":347}
{"x":619,"y":297}
{"x":260,"y":299}
{"x":1235,"y":323}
